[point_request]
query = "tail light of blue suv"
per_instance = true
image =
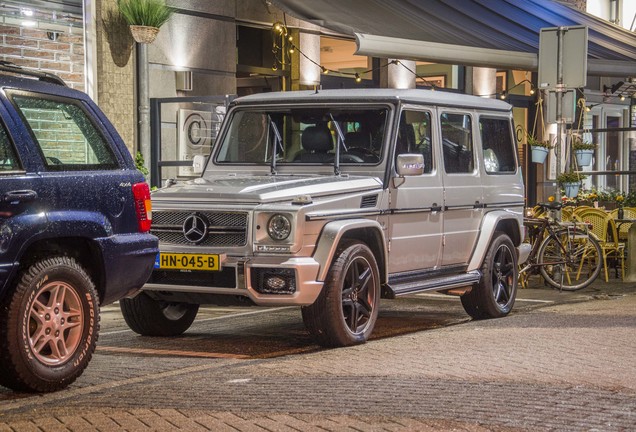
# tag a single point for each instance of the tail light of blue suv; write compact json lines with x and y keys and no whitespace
{"x":143,"y":206}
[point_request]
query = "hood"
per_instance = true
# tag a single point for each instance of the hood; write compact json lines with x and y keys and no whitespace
{"x":263,"y":189}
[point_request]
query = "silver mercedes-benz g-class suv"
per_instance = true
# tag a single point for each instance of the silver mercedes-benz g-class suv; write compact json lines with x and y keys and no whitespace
{"x":330,"y":200}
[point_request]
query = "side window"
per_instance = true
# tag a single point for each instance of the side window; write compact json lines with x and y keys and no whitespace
{"x":65,"y":134}
{"x":414,"y":136}
{"x":457,"y":143}
{"x":498,"y":145}
{"x":8,"y":159}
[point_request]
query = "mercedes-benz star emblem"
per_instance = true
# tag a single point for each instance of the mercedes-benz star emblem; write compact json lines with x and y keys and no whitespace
{"x":195,"y":228}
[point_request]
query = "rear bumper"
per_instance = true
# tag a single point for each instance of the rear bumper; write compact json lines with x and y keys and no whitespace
{"x":128,"y":263}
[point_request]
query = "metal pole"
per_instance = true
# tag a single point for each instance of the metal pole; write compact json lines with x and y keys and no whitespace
{"x":144,"y":104}
{"x":559,"y":104}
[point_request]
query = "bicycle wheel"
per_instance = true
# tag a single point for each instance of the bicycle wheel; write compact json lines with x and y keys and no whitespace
{"x":570,"y":259}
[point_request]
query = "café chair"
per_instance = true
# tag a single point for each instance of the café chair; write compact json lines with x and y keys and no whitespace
{"x":604,"y":229}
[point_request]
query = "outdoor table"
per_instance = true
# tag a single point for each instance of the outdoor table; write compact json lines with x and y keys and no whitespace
{"x":630,"y":265}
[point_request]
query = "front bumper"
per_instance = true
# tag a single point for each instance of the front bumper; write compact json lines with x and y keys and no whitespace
{"x":237,"y":278}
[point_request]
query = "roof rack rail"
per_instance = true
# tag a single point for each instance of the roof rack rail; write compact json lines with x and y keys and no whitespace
{"x":6,"y":66}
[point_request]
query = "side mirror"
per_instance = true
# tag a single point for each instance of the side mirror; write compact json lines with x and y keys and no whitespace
{"x":410,"y":164}
{"x":198,"y":163}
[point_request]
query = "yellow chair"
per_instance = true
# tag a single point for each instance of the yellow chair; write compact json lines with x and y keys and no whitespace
{"x":623,"y":228}
{"x":604,"y":229}
{"x":566,"y":213}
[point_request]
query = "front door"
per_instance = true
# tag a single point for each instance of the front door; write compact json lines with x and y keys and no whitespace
{"x":416,"y":201}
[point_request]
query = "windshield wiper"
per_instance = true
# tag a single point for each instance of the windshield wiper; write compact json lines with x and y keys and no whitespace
{"x":340,"y":142}
{"x":278,"y":143}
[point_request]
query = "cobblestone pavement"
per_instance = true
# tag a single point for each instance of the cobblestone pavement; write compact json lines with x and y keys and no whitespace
{"x":564,"y":364}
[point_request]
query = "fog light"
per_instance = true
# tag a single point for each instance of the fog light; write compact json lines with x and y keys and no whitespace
{"x":273,"y":280}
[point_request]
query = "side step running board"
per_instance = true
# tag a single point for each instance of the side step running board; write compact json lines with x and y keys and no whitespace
{"x":395,"y":288}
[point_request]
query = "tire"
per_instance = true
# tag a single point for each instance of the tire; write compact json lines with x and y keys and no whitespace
{"x":576,"y":267}
{"x":494,"y":295}
{"x":48,"y":326}
{"x":346,"y":310}
{"x":149,"y":317}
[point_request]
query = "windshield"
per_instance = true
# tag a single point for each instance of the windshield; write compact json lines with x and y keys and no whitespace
{"x":304,"y":136}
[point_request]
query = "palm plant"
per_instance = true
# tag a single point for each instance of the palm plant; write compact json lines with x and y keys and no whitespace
{"x":149,"y":13}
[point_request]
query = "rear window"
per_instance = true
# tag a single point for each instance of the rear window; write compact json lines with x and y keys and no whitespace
{"x":65,"y":134}
{"x":498,"y":145}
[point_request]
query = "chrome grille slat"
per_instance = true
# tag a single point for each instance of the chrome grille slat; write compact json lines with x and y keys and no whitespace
{"x":225,"y":228}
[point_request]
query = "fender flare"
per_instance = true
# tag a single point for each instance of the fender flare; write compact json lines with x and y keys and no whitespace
{"x":331,"y":235}
{"x":488,"y":227}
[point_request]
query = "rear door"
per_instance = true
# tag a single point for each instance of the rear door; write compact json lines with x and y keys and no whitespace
{"x":80,"y":163}
{"x":463,"y":195}
{"x":22,"y":201}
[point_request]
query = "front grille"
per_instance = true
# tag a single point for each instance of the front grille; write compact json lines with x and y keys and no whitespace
{"x":224,"y":228}
{"x":226,"y":278}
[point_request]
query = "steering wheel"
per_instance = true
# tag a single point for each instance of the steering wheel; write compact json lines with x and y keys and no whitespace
{"x":350,"y":158}
{"x":366,"y":154}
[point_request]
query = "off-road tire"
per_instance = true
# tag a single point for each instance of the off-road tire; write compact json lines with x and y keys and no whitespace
{"x":495,"y":294}
{"x":149,"y":317}
{"x":49,"y":324}
{"x":347,"y":308}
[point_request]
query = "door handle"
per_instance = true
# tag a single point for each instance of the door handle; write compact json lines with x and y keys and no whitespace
{"x":18,"y":196}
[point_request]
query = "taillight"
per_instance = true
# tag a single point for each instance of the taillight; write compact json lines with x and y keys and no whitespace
{"x":141,"y":194}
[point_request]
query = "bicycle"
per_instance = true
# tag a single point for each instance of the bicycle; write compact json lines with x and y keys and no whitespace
{"x":566,"y":254}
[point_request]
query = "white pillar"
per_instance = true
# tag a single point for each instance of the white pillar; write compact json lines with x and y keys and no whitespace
{"x":309,"y":73}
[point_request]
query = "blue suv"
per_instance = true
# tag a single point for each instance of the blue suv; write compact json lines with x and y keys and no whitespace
{"x":75,"y":217}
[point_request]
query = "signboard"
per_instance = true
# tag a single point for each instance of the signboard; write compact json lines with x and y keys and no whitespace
{"x":568,"y":109}
{"x":573,"y":56}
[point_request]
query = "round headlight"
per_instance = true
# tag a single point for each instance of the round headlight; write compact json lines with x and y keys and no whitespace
{"x":279,"y":227}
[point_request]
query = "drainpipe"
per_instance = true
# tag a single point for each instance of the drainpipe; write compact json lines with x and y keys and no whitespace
{"x":143,"y":104}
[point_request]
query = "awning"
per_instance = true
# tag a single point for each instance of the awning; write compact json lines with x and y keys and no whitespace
{"x":481,"y":27}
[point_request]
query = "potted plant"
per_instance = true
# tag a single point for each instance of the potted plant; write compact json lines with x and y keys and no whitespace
{"x":538,"y":148}
{"x":144,"y":17}
{"x":571,"y":182}
{"x":583,"y":151}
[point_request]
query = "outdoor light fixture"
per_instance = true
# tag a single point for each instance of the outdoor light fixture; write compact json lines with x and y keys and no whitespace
{"x":183,"y":80}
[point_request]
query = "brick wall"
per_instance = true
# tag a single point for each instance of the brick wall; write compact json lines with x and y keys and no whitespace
{"x":115,"y":72}
{"x":33,"y":48}
{"x":58,"y":136}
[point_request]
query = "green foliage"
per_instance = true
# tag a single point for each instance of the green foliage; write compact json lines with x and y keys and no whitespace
{"x":570,"y":177}
{"x":532,"y":141}
{"x":151,"y":13}
{"x":140,"y":164}
{"x":579,"y":144}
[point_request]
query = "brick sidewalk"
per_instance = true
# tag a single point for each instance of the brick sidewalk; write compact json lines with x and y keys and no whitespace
{"x":562,"y":367}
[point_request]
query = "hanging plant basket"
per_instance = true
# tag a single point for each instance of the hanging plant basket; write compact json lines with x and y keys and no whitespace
{"x":144,"y":34}
{"x":571,"y":189}
{"x":584,"y":157}
{"x":539,"y":154}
